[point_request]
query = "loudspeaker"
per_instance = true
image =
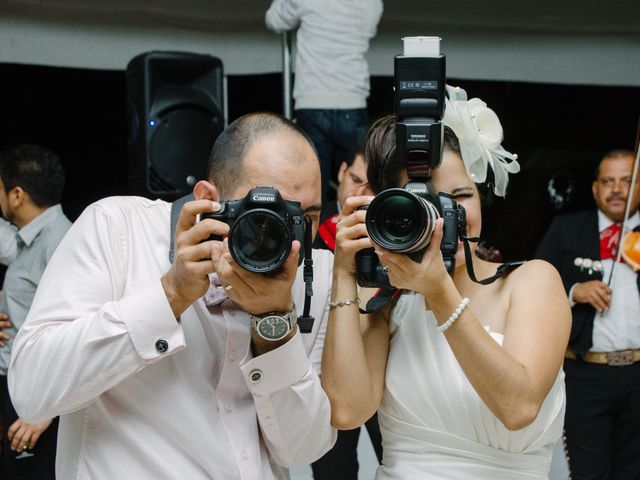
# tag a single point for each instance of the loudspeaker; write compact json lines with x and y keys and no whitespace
{"x":175,"y":113}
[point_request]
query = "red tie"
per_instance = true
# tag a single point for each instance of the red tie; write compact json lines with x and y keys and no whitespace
{"x":327,"y":231}
{"x":609,"y":241}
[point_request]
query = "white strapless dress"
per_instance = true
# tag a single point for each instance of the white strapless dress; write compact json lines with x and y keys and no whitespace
{"x":435,"y":426}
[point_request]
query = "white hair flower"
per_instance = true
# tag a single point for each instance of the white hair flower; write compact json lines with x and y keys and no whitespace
{"x":479,"y":132}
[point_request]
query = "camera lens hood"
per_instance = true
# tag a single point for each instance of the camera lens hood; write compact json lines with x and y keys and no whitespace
{"x":260,"y":240}
{"x":400,"y":220}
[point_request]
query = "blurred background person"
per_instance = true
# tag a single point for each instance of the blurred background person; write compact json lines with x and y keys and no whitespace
{"x":352,"y":181}
{"x":341,"y":462}
{"x":331,"y":84}
{"x":602,"y":363}
{"x":31,"y":184}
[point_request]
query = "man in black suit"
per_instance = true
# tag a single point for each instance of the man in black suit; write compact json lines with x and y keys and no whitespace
{"x":602,"y":367}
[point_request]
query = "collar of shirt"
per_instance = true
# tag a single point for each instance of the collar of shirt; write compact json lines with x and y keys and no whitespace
{"x":604,"y":221}
{"x":31,"y":230}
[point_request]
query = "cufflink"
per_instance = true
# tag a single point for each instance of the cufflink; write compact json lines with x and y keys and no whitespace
{"x":162,"y":346}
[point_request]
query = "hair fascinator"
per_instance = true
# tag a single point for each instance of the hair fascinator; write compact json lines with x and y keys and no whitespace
{"x":479,"y":132}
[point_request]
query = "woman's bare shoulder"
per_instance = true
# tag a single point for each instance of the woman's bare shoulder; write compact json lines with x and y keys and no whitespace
{"x":535,"y":276}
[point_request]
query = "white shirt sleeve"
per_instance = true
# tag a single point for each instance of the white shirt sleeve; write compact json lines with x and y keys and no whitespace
{"x":284,"y":15}
{"x":8,"y":242}
{"x":572,"y":302}
{"x":85,"y":332}
{"x":293,"y":410}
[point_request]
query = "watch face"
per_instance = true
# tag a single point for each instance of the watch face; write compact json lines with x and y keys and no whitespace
{"x":273,"y":328}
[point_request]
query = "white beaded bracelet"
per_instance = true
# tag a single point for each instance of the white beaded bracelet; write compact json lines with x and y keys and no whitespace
{"x":454,"y":316}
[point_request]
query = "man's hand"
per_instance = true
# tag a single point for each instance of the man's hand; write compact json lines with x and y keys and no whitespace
{"x":593,"y":292}
{"x":24,"y":435}
{"x":255,"y":292}
{"x":4,"y":324}
{"x":195,"y":258}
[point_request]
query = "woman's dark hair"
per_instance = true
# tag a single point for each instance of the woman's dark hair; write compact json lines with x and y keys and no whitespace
{"x":383,"y":170}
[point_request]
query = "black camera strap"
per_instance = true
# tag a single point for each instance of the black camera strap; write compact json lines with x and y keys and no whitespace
{"x":175,"y":214}
{"x":305,"y":321}
{"x":500,"y":271}
{"x":385,"y":295}
{"x":381,"y":298}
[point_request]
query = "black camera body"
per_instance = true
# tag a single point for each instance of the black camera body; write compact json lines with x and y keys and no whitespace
{"x":263,"y":225}
{"x":403,"y":219}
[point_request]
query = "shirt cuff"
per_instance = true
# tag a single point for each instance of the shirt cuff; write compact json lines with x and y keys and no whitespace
{"x":154,"y":330}
{"x":277,"y":369}
{"x":572,"y":302}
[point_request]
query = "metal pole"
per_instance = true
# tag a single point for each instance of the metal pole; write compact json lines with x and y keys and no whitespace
{"x":286,"y":74}
{"x":225,"y":101}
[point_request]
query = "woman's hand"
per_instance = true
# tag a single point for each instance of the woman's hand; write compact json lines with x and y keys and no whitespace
{"x":423,"y":277}
{"x":351,"y":234}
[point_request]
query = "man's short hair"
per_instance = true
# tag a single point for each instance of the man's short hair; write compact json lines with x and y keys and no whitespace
{"x":35,"y":169}
{"x":352,"y":155}
{"x":226,"y":162}
{"x":612,"y":155}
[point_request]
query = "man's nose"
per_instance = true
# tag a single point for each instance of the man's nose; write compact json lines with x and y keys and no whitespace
{"x":620,"y":186}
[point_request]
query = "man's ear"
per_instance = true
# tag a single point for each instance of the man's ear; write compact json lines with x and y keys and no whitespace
{"x":204,"y":190}
{"x":342,"y":171}
{"x":17,"y":196}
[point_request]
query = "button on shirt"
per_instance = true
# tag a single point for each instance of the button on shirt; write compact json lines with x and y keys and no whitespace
{"x":618,"y":328}
{"x":129,"y":410}
{"x":35,"y":242}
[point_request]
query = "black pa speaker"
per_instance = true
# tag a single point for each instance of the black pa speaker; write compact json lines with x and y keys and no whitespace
{"x":175,"y":112}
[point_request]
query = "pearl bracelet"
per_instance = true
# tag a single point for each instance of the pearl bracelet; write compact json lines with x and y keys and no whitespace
{"x":342,"y":303}
{"x":454,"y":316}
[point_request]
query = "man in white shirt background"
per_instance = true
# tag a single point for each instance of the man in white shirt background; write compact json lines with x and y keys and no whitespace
{"x":187,"y":369}
{"x":331,"y":83}
{"x":602,"y":367}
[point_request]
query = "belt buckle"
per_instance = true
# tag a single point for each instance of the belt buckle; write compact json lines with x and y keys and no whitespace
{"x":620,"y":358}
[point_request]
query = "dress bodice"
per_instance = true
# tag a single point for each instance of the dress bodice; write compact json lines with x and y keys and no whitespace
{"x":434,"y":424}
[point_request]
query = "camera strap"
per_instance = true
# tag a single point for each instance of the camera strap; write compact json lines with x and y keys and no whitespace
{"x":385,"y":295}
{"x":305,"y":321}
{"x":381,"y":298}
{"x":175,"y":214}
{"x":500,"y":271}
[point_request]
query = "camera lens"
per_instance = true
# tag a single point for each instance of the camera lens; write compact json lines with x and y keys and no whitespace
{"x":260,"y":240}
{"x":401,"y":221}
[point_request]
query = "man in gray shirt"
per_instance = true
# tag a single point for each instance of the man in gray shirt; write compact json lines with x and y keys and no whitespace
{"x":31,"y":184}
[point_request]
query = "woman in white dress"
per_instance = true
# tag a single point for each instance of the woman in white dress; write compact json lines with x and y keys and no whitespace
{"x":477,"y":394}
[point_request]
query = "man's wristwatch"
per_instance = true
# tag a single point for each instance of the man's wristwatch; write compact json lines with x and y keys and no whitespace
{"x":274,"y":326}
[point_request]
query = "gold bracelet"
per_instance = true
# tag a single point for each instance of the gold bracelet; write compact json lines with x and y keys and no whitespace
{"x":342,"y":303}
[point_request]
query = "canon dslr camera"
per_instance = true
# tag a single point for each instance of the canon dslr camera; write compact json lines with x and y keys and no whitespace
{"x":403,"y":219}
{"x":263,"y":225}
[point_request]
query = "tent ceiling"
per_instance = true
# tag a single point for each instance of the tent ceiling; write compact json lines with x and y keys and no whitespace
{"x":547,"y":15}
{"x":567,"y":41}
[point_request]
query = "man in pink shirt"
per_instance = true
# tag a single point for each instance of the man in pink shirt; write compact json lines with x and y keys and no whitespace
{"x":192,"y":368}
